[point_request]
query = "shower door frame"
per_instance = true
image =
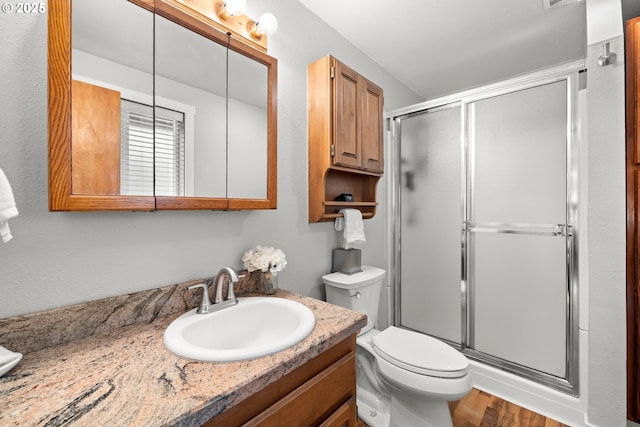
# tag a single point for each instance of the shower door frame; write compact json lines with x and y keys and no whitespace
{"x":570,"y":73}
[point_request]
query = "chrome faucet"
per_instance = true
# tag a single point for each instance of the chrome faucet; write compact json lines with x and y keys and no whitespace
{"x":206,"y":306}
{"x":219,"y":281}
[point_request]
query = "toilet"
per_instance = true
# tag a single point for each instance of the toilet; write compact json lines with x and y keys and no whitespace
{"x":404,"y":378}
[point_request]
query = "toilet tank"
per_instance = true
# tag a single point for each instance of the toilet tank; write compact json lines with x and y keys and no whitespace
{"x":358,"y":292}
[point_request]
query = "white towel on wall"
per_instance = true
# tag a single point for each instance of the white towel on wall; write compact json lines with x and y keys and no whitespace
{"x":353,"y":227}
{"x":8,"y":359}
{"x":8,"y":207}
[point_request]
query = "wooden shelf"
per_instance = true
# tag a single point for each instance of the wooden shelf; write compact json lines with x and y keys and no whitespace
{"x":350,"y":204}
{"x":322,"y":204}
{"x":332,"y":209}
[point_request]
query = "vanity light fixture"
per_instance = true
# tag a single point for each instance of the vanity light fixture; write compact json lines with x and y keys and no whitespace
{"x":235,"y":10}
{"x":230,"y":16}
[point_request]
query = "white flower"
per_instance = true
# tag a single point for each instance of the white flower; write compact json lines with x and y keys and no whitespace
{"x":264,"y":259}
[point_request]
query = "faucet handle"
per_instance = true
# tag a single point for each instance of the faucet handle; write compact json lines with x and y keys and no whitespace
{"x":205,"y":302}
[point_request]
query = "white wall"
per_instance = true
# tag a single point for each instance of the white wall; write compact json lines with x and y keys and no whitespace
{"x":57,"y":259}
{"x":607,"y":291}
{"x":606,"y":370}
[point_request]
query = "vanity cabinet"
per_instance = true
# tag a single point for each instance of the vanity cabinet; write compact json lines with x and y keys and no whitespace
{"x":322,"y":392}
{"x":345,"y":139}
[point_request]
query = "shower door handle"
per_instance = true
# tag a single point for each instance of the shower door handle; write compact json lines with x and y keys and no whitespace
{"x":563,"y":230}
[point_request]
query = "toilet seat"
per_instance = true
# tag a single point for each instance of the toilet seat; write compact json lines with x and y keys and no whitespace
{"x":445,"y":389}
{"x":420,"y":354}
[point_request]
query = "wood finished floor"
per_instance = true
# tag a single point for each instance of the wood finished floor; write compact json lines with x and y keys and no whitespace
{"x":480,"y":409}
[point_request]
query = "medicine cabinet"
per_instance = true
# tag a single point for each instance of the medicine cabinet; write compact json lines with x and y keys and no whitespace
{"x":152,"y":107}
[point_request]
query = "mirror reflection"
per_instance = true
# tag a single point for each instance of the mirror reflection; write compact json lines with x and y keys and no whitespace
{"x":112,"y":63}
{"x":199,"y":127}
{"x":248,"y":128}
{"x":191,"y":84}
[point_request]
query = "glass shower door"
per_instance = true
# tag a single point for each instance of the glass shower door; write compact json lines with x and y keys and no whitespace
{"x":431,"y":186}
{"x":517,"y":228}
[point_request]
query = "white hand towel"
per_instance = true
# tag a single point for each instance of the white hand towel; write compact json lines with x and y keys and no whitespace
{"x":8,"y":359}
{"x":353,"y":227}
{"x":7,"y":207}
{"x":7,"y":356}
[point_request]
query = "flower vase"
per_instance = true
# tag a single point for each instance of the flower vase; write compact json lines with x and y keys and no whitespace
{"x":269,"y":283}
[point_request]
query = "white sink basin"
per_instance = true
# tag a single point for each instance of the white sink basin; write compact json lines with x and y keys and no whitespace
{"x":255,"y":327}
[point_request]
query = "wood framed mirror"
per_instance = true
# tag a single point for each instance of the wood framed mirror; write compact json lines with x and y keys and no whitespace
{"x":201,"y":104}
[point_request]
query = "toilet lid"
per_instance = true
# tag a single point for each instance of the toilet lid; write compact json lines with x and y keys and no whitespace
{"x":419,"y":353}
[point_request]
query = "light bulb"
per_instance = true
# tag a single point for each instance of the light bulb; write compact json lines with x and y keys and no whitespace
{"x":267,"y":24}
{"x":234,"y":8}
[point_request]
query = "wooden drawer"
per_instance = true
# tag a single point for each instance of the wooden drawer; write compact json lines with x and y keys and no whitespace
{"x":329,"y":378}
{"x":316,"y":400}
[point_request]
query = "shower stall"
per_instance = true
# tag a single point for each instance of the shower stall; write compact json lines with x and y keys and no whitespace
{"x":484,"y":188}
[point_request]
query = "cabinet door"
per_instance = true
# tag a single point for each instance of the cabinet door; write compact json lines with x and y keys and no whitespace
{"x":95,"y":155}
{"x":346,"y":135}
{"x":371,"y":127}
{"x":320,"y":399}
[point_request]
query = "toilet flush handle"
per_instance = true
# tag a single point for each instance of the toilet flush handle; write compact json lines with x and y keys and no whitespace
{"x":356,"y":295}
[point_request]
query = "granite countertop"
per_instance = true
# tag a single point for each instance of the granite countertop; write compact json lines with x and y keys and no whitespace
{"x":124,"y":376}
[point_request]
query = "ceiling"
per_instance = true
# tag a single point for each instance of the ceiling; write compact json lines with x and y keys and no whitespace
{"x":438,"y":47}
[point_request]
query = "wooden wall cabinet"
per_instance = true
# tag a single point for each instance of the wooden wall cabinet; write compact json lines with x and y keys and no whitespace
{"x":322,"y":392}
{"x":345,"y":139}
